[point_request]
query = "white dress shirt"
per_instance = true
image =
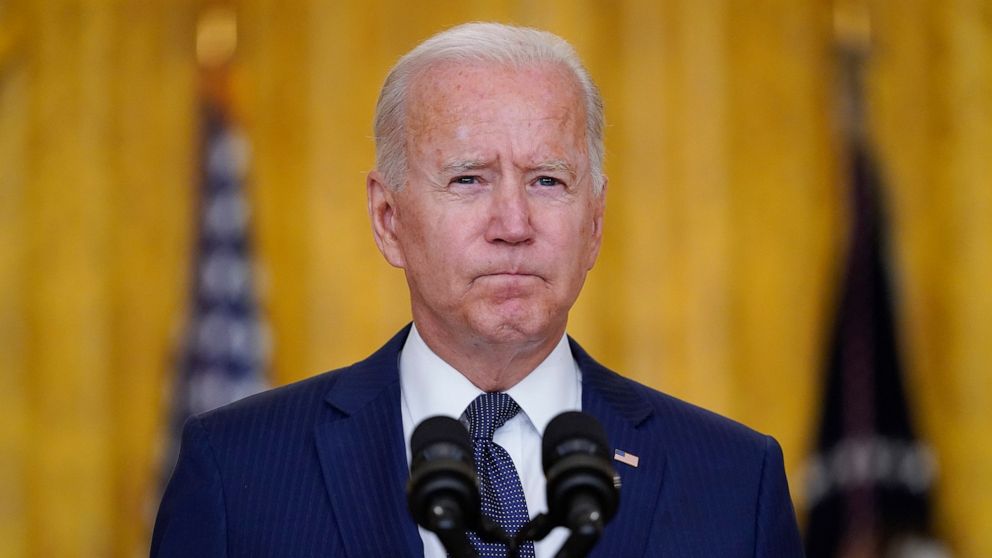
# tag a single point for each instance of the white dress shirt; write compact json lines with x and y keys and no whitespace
{"x":430,"y":386}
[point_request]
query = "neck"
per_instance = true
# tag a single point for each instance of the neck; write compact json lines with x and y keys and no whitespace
{"x":489,"y":365}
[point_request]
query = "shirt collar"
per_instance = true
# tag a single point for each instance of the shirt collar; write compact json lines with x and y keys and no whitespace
{"x":551,"y":389}
{"x":430,"y":386}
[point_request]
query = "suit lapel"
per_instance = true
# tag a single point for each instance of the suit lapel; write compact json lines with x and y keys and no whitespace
{"x":623,"y":411}
{"x":363,"y":458}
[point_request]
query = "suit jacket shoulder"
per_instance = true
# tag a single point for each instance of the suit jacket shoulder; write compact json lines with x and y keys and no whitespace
{"x":314,"y":468}
{"x":711,"y":486}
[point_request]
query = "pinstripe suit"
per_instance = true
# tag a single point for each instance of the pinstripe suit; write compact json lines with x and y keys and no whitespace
{"x":318,"y":468}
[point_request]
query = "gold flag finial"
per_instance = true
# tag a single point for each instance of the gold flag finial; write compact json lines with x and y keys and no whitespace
{"x":852,"y":25}
{"x":216,"y":36}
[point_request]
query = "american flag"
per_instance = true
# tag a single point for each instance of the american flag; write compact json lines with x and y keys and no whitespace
{"x":226,"y":345}
{"x":624,"y":457}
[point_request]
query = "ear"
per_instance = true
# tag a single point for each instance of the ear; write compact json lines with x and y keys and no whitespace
{"x":382,"y":212}
{"x":596,"y":240}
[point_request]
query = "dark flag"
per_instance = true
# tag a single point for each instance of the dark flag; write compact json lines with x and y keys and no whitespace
{"x":225,"y":348}
{"x":869,"y":483}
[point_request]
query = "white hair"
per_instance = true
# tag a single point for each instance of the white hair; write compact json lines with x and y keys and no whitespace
{"x":494,"y":43}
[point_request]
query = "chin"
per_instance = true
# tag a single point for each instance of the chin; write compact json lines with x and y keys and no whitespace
{"x":529,"y":325}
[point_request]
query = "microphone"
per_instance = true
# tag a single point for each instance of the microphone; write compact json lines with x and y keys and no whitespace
{"x":583,"y":489}
{"x":443,"y":491}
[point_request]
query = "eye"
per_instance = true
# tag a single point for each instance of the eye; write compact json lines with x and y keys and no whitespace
{"x":465,"y":180}
{"x":548,"y":181}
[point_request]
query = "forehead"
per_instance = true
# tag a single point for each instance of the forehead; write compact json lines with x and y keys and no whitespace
{"x":472,"y":107}
{"x":453,"y":92}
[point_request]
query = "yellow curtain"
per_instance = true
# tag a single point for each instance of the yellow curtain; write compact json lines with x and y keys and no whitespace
{"x":932,"y":95}
{"x":725,"y":221}
{"x":96,"y":145}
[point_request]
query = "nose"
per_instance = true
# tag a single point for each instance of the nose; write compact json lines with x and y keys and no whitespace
{"x":510,"y":215}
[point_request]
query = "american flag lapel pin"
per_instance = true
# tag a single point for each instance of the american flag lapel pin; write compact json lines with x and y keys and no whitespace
{"x":624,"y":457}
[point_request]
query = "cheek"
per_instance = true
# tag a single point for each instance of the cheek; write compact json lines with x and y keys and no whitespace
{"x":433,"y":246}
{"x":577,"y":232}
{"x":580,"y":244}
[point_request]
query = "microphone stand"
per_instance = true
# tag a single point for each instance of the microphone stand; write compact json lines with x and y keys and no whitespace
{"x":449,"y":526}
{"x":447,"y":522}
{"x":585,"y":523}
{"x":490,"y":531}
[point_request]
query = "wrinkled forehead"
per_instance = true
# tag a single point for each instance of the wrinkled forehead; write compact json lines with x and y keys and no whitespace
{"x":447,"y":90}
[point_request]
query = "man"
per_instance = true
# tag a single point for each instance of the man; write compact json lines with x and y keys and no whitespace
{"x":488,"y":192}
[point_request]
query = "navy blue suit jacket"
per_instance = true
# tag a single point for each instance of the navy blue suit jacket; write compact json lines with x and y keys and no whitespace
{"x":318,"y":468}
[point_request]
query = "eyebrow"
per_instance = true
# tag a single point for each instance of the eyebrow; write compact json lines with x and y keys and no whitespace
{"x":463,"y":166}
{"x":460,"y":166}
{"x":555,"y":165}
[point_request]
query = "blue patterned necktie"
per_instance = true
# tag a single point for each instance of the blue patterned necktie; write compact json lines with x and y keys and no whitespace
{"x":502,"y":494}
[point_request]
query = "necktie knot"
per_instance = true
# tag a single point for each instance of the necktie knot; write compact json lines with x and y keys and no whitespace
{"x":488,"y":412}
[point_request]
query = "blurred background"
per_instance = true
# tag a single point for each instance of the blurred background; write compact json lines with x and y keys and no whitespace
{"x":165,"y":162}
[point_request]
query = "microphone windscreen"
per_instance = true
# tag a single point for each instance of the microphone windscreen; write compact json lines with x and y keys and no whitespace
{"x":572,"y":432}
{"x":439,"y":429}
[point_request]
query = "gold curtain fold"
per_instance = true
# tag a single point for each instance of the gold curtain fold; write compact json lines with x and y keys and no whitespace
{"x":931,"y":86}
{"x":724,"y":231}
{"x":96,"y":142}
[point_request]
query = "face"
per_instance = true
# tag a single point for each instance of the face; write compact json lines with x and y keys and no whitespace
{"x":497,"y":223}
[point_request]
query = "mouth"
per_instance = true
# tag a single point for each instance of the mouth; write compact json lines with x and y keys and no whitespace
{"x":508,"y":279}
{"x":509,"y":274}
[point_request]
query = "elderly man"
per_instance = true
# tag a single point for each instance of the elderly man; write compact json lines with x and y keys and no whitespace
{"x":489,"y":193}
